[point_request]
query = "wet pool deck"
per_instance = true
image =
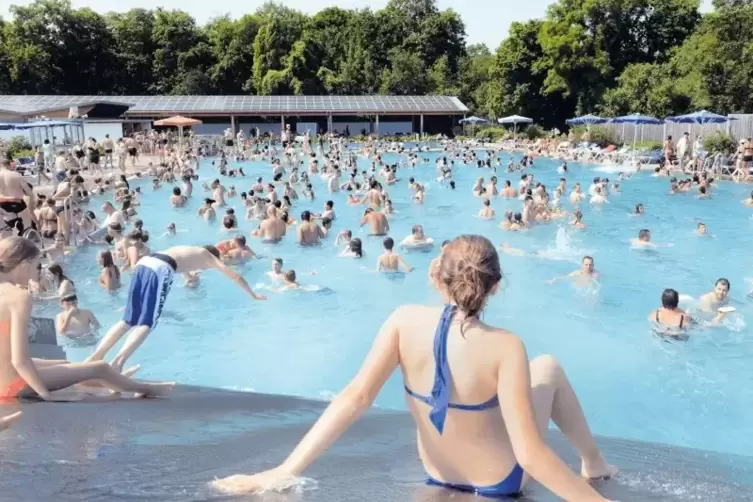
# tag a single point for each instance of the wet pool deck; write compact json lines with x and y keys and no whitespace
{"x":168,"y":449}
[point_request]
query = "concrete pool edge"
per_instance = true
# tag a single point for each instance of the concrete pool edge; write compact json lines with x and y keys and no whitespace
{"x":168,"y":449}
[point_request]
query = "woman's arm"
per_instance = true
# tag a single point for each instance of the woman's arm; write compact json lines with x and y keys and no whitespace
{"x":342,"y":412}
{"x":531,"y":451}
{"x":19,"y":345}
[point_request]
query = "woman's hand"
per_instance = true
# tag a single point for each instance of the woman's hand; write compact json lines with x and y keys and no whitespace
{"x":273,"y":479}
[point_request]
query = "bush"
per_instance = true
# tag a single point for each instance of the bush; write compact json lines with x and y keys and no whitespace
{"x":494,"y":133}
{"x":534,"y":131}
{"x":719,"y":142}
{"x":602,"y":136}
{"x":19,"y":146}
{"x":649,"y":145}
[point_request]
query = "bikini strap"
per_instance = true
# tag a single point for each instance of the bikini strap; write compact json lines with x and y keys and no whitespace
{"x":440,"y":393}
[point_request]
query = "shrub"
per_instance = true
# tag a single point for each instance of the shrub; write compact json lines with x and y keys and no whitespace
{"x":534,"y":131}
{"x":602,"y":136}
{"x":19,"y":146}
{"x":493,"y":133}
{"x":719,"y":142}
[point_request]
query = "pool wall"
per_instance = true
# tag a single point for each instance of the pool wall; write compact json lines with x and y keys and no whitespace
{"x":168,"y":449}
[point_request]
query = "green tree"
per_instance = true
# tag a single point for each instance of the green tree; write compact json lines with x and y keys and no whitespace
{"x":588,"y":43}
{"x":406,"y":74}
{"x":53,"y":49}
{"x":133,"y":50}
{"x":522,"y":69}
{"x":231,"y":43}
{"x":181,"y":50}
{"x":478,"y":86}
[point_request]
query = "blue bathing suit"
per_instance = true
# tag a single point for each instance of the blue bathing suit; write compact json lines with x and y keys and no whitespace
{"x":439,"y":400}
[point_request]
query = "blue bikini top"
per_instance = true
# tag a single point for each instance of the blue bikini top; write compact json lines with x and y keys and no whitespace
{"x":439,"y":400}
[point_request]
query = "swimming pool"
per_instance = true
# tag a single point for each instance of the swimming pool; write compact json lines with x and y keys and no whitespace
{"x":310,"y":344}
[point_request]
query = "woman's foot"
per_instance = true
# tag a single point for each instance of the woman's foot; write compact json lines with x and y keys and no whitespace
{"x":597,"y":469}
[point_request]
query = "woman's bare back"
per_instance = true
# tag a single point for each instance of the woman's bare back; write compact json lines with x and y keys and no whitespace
{"x":473,"y":357}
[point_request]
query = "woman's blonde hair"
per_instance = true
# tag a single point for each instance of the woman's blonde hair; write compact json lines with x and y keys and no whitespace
{"x":16,"y":250}
{"x":468,"y":270}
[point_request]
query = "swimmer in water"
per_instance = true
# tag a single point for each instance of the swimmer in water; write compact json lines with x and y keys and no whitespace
{"x":584,"y":275}
{"x":669,"y":315}
{"x":701,"y":230}
{"x":206,"y":210}
{"x":74,"y":322}
{"x":288,"y":281}
{"x":354,"y":249}
{"x":150,"y":285}
{"x":235,"y":250}
{"x":578,"y":219}
{"x":171,"y":230}
{"x":390,"y":261}
{"x":719,"y":297}
{"x":343,"y":237}
{"x":486,"y":212}
{"x":276,"y":273}
{"x":643,"y":240}
{"x":377,"y":221}
{"x":639,"y":210}
{"x":417,"y":239}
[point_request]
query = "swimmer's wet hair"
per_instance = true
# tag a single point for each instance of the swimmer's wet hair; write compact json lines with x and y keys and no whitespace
{"x":290,"y":275}
{"x":468,"y":270}
{"x":670,"y":299}
{"x":213,"y":250}
{"x":389,"y":243}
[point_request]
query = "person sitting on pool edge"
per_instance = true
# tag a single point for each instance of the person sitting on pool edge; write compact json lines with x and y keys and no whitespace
{"x":463,"y":446}
{"x":150,"y":285}
{"x":20,"y":374}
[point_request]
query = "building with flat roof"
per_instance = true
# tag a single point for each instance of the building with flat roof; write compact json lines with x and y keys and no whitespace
{"x":356,"y":115}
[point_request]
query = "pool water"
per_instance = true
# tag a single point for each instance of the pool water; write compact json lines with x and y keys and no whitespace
{"x":631,"y":384}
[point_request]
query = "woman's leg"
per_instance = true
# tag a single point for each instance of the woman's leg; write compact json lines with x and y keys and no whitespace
{"x":555,"y":399}
{"x":64,"y":375}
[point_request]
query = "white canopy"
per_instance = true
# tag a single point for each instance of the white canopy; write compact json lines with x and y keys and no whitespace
{"x":515,"y":119}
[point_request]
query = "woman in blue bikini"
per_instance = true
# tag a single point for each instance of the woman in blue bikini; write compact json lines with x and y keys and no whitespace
{"x":481,"y":408}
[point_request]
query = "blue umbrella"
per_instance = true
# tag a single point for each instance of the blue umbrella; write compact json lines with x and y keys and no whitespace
{"x":587,"y":120}
{"x":700,"y":117}
{"x":473,"y":121}
{"x":635,"y":119}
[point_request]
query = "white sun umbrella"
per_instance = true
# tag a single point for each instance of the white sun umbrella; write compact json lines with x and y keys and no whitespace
{"x":515,"y":120}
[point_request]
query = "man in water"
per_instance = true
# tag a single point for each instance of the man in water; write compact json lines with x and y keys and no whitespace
{"x":272,"y":229}
{"x":719,"y":297}
{"x":309,"y":233}
{"x":150,"y":285}
{"x":377,"y":221}
{"x":390,"y":261}
{"x":417,"y":239}
{"x":276,"y":273}
{"x":643,"y":240}
{"x":584,"y":275}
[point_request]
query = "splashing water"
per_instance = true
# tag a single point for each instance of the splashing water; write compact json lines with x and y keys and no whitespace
{"x":563,"y":249}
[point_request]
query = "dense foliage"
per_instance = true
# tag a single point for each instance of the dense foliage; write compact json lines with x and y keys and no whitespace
{"x":658,"y":57}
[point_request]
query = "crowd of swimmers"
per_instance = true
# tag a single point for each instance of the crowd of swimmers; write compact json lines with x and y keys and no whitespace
{"x":488,"y":361}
